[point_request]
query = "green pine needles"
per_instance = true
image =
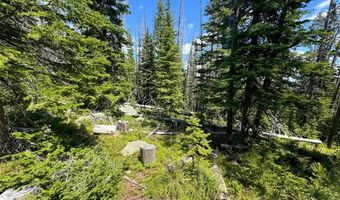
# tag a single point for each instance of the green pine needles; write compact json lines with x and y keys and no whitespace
{"x":195,"y":141}
{"x":161,"y":74}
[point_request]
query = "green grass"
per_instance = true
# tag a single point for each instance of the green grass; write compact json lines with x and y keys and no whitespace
{"x":283,"y":170}
{"x":70,"y":163}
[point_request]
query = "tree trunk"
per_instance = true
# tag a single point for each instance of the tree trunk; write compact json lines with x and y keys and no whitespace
{"x":247,"y":101}
{"x":4,"y":134}
{"x":261,"y":109}
{"x":334,"y":128}
{"x":250,"y":83}
{"x":276,"y":39}
{"x":335,"y":95}
{"x":337,"y":81}
{"x":231,"y":87}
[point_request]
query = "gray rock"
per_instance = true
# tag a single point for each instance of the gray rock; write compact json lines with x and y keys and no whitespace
{"x":186,"y":160}
{"x":127,"y":109}
{"x":19,"y":194}
{"x":171,"y":167}
{"x":104,"y":129}
{"x":133,"y":147}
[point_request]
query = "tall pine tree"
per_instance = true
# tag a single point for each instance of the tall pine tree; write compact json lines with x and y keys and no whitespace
{"x":147,"y":70}
{"x":169,"y":74}
{"x":48,"y":61}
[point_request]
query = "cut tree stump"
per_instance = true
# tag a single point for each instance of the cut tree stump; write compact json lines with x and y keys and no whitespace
{"x":123,"y":126}
{"x":148,"y":154}
{"x":104,"y":129}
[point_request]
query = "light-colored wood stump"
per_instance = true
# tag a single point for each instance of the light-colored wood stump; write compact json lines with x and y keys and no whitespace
{"x":148,"y":154}
{"x":123,"y":126}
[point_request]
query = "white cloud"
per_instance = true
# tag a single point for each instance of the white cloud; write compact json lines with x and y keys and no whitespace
{"x":299,"y":52}
{"x":186,"y":48}
{"x":322,"y":5}
{"x":320,"y":8}
{"x":323,"y":14}
{"x":141,"y":7}
{"x":190,"y":26}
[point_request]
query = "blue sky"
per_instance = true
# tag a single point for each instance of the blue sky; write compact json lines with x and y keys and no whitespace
{"x":191,"y":16}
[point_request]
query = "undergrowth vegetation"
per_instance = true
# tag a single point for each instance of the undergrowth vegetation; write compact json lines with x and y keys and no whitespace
{"x":282,"y":170}
{"x":79,"y":165}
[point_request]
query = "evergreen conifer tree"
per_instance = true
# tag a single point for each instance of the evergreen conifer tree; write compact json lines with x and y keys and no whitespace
{"x":49,"y":62}
{"x":147,"y":75}
{"x":169,"y":74}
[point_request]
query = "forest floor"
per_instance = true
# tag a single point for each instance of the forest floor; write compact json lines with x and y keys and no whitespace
{"x":89,"y":167}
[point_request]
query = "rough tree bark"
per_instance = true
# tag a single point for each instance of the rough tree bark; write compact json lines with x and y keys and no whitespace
{"x":231,"y":87}
{"x":4,"y":134}
{"x":250,"y":84}
{"x":335,"y":127}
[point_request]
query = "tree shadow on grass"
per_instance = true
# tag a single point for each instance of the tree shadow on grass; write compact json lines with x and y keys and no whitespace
{"x":59,"y":131}
{"x":70,"y":134}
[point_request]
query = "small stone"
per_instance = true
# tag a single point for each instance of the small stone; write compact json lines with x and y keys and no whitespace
{"x":235,"y":163}
{"x":128,"y":172}
{"x":171,"y":167}
{"x":186,"y":160}
{"x":104,"y":129}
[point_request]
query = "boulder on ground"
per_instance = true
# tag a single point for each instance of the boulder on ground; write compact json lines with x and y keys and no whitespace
{"x":127,"y":109}
{"x":133,"y":147}
{"x":104,"y":129}
{"x":19,"y":194}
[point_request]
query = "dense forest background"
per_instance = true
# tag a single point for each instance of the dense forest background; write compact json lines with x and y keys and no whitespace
{"x":63,"y":59}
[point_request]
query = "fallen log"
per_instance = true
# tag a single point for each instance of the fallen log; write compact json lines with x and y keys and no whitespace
{"x":222,"y":187}
{"x":166,"y":133}
{"x":298,"y":139}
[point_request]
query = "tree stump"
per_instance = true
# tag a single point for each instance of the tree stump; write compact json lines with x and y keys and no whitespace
{"x":123,"y":126}
{"x":148,"y":154}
